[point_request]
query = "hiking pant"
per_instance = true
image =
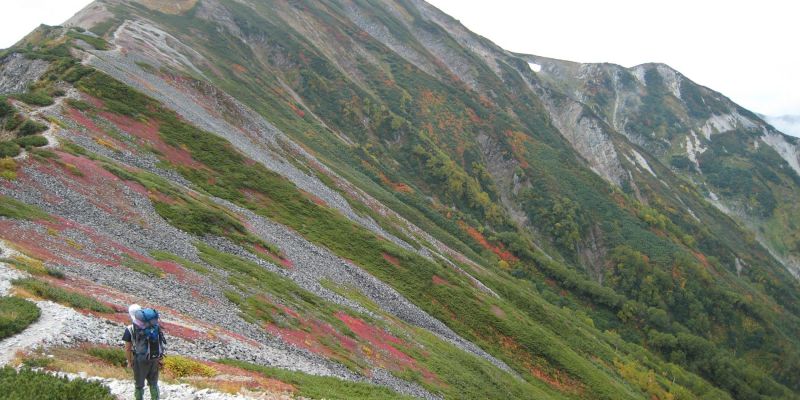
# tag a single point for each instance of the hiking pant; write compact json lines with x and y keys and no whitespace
{"x":145,"y":370}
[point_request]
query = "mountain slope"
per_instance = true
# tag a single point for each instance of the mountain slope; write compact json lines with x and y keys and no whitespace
{"x":369,"y":191}
{"x":738,"y":161}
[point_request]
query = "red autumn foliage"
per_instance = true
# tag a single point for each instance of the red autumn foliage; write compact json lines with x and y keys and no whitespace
{"x":437,"y":280}
{"x":392,"y":260}
{"x":496,"y":249}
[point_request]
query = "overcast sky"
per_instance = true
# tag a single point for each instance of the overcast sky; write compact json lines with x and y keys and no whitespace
{"x":747,"y":50}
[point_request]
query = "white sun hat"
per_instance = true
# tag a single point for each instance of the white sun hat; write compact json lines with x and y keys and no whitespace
{"x":132,"y":309}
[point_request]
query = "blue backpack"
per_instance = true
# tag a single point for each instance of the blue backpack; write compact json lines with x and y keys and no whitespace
{"x":148,"y":341}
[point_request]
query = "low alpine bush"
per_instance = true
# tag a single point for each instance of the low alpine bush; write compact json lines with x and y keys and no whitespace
{"x":59,"y":295}
{"x":31,"y":127}
{"x":180,"y":367}
{"x":32,"y":141}
{"x":26,"y":384}
{"x":9,"y":149}
{"x":15,"y":315}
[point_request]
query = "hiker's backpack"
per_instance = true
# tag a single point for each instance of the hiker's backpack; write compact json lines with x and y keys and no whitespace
{"x":147,"y":341}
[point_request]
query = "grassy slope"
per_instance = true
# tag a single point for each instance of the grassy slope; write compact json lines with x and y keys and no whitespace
{"x":522,"y":341}
{"x":549,"y":165}
{"x":523,"y":331}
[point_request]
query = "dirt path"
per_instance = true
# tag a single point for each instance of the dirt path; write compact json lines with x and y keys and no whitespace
{"x":123,"y":390}
{"x":60,"y":325}
{"x":50,"y":324}
{"x":54,"y":320}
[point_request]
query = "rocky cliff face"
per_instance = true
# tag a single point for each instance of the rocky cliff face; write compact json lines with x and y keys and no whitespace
{"x":369,"y":191}
{"x":678,"y":121}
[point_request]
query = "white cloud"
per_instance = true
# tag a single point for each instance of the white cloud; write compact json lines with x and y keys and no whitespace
{"x":788,"y":124}
{"x":20,"y":17}
{"x":742,"y":49}
{"x":738,"y":48}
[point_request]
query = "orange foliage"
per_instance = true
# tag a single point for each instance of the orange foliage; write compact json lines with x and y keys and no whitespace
{"x":437,"y":280}
{"x":396,"y":186}
{"x":557,"y":379}
{"x":392,"y":260}
{"x":500,"y":250}
{"x":297,"y":110}
{"x":517,"y":141}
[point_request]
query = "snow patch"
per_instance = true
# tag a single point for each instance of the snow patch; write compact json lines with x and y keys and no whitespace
{"x":535,"y":67}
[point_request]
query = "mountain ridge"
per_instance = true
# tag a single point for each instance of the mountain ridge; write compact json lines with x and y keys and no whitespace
{"x":348,"y":170}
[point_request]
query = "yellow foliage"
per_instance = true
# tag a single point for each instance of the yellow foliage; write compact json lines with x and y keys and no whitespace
{"x":73,"y":169}
{"x":8,"y":168}
{"x":180,"y":367}
{"x":647,"y":380}
{"x":31,"y":265}
{"x":72,"y":243}
{"x":106,"y":143}
{"x":169,"y":6}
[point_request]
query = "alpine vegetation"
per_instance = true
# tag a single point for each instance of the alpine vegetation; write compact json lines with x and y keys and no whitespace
{"x":365,"y":200}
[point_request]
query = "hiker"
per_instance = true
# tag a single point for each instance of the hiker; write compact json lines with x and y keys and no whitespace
{"x":144,"y":349}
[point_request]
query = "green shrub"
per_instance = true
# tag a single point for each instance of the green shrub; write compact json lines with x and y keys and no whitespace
{"x":112,"y":355}
{"x":681,"y":162}
{"x":26,"y":384}
{"x":166,"y":256}
{"x":96,"y":42}
{"x":29,"y":265}
{"x":9,"y":149}
{"x":62,"y":296}
{"x":8,"y":168}
{"x":32,"y":141}
{"x":33,"y":266}
{"x":180,"y":367}
{"x":54,"y":273}
{"x":31,"y":127}
{"x":320,"y":387}
{"x":35,"y":98}
{"x":79,"y":104}
{"x":37,"y":362}
{"x":44,"y":154}
{"x":12,"y":122}
{"x":11,"y":208}
{"x":141,"y":267}
{"x":6,"y":109}
{"x":15,"y":315}
{"x":199,"y":219}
